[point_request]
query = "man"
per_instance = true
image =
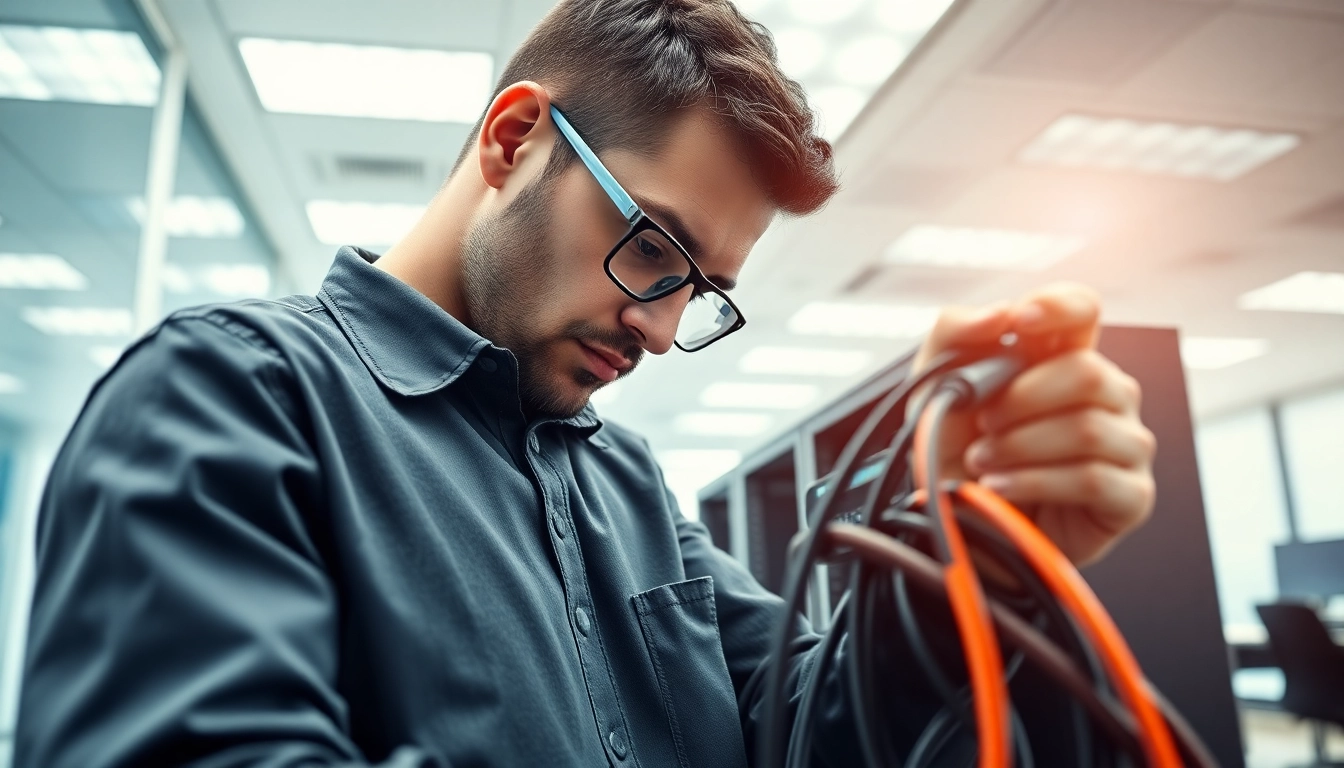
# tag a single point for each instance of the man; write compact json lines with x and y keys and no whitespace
{"x":383,"y":526}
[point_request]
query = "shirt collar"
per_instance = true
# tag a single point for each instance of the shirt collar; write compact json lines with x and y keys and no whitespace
{"x":408,"y":342}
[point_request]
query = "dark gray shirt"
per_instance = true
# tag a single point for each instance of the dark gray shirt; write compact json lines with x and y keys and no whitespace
{"x":320,"y":531}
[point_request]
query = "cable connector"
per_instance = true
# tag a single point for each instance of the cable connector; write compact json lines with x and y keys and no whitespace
{"x":975,"y":383}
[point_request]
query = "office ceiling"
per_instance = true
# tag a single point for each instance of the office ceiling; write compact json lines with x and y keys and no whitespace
{"x":937,"y":145}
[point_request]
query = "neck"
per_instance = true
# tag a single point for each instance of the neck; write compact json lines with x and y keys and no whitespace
{"x":430,"y":257}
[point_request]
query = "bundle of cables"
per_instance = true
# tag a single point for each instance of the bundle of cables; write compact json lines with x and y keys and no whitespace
{"x":916,"y":534}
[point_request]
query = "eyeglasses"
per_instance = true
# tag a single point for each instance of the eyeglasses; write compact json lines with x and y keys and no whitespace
{"x":648,"y":264}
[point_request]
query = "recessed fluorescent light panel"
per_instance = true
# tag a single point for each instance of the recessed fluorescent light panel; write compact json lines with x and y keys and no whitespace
{"x":40,"y":271}
{"x":980,"y":248}
{"x":841,"y":51}
{"x":98,"y":66}
{"x":10,"y":384}
{"x":881,"y":321}
{"x":368,"y":81}
{"x":339,"y":223}
{"x":804,"y":361}
{"x":236,"y":280}
{"x":1191,"y":151}
{"x":713,"y":424}
{"x":733,"y":394}
{"x":1302,"y":292}
{"x":79,"y":321}
{"x":191,"y":216}
{"x":1208,"y":353}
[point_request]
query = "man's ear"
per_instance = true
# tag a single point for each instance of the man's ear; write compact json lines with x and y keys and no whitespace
{"x":517,"y":124}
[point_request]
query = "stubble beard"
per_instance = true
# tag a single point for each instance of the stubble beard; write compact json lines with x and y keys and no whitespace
{"x":507,"y":275}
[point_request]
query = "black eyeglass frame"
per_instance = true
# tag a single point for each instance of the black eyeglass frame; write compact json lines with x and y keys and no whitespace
{"x":640,"y":222}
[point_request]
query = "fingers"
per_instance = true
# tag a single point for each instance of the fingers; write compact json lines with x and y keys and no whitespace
{"x":963,"y":327}
{"x":1083,"y":507}
{"x":1071,"y":381}
{"x":1089,"y":434}
{"x":1060,"y":316}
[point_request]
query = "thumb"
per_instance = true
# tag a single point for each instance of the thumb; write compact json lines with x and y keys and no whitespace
{"x":965,"y":326}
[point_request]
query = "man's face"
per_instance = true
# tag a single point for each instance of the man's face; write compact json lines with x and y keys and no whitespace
{"x":534,"y":277}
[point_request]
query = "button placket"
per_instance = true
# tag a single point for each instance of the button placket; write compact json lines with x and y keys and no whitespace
{"x":591,"y":650}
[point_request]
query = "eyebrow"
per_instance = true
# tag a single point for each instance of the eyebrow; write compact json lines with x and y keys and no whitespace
{"x":677,"y":226}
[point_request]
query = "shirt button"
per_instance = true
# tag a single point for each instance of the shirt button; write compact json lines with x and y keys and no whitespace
{"x":617,"y":743}
{"x":487,"y":365}
{"x":558,"y":523}
{"x":581,"y":619}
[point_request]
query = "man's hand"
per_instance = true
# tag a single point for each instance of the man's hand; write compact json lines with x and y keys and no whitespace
{"x":1063,"y":441}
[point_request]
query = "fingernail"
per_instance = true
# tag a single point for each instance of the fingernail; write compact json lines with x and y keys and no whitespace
{"x":977,"y":456}
{"x":996,"y":483}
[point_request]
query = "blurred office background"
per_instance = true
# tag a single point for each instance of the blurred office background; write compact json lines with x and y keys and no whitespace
{"x":1185,"y":157}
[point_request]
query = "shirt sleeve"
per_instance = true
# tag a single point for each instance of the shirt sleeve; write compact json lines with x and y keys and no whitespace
{"x":182,"y":613}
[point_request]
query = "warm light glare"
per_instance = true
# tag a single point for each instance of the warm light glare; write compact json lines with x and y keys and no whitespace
{"x":868,"y":61}
{"x":910,"y":16}
{"x":1209,"y":353}
{"x":891,"y":321}
{"x":980,"y":248}
{"x":721,"y":424}
{"x":98,"y":66}
{"x":837,"y":105}
{"x":804,"y":361}
{"x":40,"y":271}
{"x":800,"y":50}
{"x":193,"y":216}
{"x":368,"y":81}
{"x":341,"y":223}
{"x":1302,"y":292}
{"x":1192,"y":151}
{"x":79,"y":321}
{"x":823,"y":11}
{"x":733,"y":394}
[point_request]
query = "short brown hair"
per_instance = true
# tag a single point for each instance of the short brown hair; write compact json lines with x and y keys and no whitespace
{"x":620,"y":68}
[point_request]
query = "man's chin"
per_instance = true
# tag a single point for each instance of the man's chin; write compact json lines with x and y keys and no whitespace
{"x":560,"y":400}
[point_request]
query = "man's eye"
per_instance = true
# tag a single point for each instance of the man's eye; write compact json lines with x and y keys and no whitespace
{"x":648,"y":249}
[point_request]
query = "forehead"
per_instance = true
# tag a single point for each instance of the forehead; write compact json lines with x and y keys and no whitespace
{"x":701,"y":176}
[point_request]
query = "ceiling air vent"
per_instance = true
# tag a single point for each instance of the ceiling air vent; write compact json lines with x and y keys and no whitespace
{"x":362,"y":168}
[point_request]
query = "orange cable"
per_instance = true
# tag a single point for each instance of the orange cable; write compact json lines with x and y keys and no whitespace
{"x":1060,"y":576}
{"x":980,"y":646}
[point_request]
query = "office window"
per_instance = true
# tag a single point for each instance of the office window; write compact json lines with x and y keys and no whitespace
{"x":1313,"y":436}
{"x":1243,"y":498}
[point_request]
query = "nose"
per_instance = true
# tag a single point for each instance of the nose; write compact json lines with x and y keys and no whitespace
{"x":654,"y":323}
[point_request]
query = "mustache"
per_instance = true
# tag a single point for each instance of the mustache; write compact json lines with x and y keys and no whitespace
{"x":623,"y":342}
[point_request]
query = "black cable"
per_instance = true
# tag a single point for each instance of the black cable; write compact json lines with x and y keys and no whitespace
{"x":989,"y":543}
{"x":799,"y":567}
{"x":800,"y":739}
{"x":1042,"y":651}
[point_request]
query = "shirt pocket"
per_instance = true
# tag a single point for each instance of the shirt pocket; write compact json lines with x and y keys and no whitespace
{"x":681,"y":632}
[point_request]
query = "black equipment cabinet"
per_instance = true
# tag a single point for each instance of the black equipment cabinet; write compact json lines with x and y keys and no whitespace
{"x":1158,"y":583}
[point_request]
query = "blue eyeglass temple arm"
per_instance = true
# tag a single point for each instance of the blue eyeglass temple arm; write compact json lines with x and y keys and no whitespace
{"x":618,"y":196}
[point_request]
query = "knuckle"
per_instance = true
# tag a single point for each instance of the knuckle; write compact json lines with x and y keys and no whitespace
{"x":1091,"y":433}
{"x":1092,"y":480}
{"x":1092,"y":374}
{"x":1147,"y":442}
{"x":1132,"y":390}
